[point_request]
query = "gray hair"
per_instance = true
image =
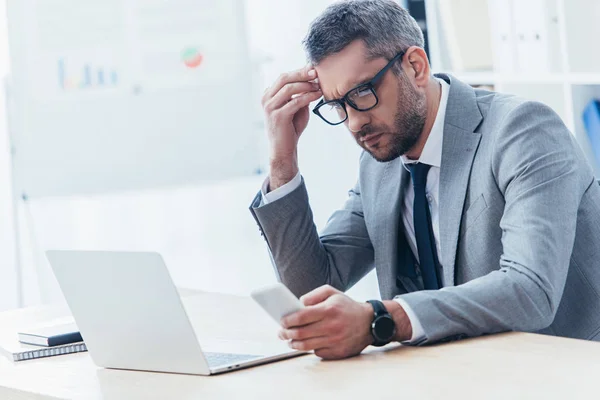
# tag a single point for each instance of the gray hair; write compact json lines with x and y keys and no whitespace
{"x":384,"y":26}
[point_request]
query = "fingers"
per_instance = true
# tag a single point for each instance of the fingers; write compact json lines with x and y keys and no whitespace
{"x":290,"y":91}
{"x":295,"y":104}
{"x":319,"y":295}
{"x":317,"y":329}
{"x":335,"y":326}
{"x":310,"y":344}
{"x":300,"y":75}
{"x":303,"y":317}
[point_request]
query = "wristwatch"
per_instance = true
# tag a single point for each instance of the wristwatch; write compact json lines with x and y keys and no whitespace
{"x":383,"y":327}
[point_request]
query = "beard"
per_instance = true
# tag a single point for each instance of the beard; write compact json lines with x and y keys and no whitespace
{"x":408,"y":125}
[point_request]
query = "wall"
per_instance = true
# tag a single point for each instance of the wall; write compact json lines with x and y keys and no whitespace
{"x":205,"y":233}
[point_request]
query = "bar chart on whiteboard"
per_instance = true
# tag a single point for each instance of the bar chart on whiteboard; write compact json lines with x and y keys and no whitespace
{"x":74,"y":48}
{"x":127,"y":45}
{"x":85,"y":75}
{"x":122,"y":94}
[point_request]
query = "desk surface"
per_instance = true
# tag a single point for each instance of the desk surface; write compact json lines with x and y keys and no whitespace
{"x":513,"y":365}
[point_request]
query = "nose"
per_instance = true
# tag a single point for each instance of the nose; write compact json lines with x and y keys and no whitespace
{"x":356,"y":119}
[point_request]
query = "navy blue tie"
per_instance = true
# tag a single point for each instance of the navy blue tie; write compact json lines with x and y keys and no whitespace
{"x":428,"y":259}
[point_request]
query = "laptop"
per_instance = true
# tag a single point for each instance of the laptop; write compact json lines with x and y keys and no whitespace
{"x":131,"y":316}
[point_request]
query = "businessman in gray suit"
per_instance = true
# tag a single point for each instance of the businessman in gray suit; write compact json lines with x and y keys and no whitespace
{"x":477,"y":209}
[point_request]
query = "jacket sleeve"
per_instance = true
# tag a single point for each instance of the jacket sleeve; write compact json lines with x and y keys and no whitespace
{"x":538,"y":167}
{"x":303,"y":260}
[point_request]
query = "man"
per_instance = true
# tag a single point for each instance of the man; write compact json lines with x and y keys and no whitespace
{"x":477,"y":209}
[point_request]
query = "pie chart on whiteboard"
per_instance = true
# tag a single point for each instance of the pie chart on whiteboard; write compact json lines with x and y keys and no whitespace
{"x":191,"y":57}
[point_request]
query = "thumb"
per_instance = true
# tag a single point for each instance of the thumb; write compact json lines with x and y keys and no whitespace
{"x":318,"y":295}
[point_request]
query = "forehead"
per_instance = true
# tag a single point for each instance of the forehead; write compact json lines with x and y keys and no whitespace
{"x":342,"y":71}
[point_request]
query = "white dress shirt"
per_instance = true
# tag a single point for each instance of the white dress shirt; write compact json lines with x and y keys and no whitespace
{"x":431,"y":155}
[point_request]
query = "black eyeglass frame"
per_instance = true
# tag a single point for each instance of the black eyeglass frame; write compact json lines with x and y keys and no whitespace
{"x":370,"y":85}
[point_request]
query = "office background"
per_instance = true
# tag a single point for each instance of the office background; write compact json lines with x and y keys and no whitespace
{"x":150,"y":137}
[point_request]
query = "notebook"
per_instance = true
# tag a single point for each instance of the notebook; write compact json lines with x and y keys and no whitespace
{"x":54,"y":335}
{"x":20,"y":352}
{"x":11,"y":348}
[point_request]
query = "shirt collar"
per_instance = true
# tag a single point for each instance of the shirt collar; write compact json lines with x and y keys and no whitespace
{"x":432,"y":152}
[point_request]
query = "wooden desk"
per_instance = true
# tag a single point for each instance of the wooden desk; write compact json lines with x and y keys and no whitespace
{"x":507,"y":366}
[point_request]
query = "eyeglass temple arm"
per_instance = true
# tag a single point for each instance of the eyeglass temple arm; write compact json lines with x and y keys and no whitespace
{"x":388,"y":66}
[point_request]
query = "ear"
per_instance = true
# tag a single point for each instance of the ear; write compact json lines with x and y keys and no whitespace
{"x":416,"y":66}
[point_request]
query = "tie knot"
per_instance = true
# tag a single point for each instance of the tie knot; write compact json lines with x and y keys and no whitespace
{"x":418,"y":172}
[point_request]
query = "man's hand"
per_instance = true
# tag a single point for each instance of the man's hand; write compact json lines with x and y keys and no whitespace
{"x":332,"y":324}
{"x":335,"y":326}
{"x":285,"y":104}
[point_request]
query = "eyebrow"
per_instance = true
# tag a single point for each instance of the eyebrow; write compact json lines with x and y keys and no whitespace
{"x":355,"y":85}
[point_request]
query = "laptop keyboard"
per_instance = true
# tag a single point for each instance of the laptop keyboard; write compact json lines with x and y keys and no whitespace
{"x":218,"y":359}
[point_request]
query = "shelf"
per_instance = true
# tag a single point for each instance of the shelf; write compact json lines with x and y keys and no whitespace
{"x":475,"y":78}
{"x":541,"y":50}
{"x":492,"y":78}
{"x":584,"y":79}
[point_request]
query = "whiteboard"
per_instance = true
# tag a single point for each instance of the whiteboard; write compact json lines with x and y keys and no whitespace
{"x":119,"y":95}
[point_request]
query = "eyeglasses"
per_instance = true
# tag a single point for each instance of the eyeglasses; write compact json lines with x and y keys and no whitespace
{"x":361,"y":98}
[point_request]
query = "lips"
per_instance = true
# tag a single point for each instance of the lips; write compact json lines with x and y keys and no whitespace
{"x":371,"y":139}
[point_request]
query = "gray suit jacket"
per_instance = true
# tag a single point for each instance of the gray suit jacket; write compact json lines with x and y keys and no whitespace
{"x":519,"y":212}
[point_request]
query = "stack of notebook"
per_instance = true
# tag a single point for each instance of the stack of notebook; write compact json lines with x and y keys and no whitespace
{"x":44,"y":341}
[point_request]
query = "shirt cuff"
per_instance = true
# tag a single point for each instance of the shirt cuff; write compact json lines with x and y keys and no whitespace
{"x":418,"y":335}
{"x":282,"y":191}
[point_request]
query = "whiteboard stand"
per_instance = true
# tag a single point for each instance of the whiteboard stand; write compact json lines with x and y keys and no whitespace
{"x":15,"y":201}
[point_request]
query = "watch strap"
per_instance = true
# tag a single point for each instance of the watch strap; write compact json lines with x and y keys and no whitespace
{"x":378,"y":307}
{"x":379,"y":311}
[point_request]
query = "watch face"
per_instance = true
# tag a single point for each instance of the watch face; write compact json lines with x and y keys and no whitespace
{"x":384,"y":328}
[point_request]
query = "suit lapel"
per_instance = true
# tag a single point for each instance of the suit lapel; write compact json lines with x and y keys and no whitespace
{"x":458,"y":151}
{"x":389,"y":205}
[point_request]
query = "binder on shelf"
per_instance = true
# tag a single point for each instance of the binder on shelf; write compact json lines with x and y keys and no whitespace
{"x":502,"y":32}
{"x":537,"y":36}
{"x":553,"y":41}
{"x":591,"y":120}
